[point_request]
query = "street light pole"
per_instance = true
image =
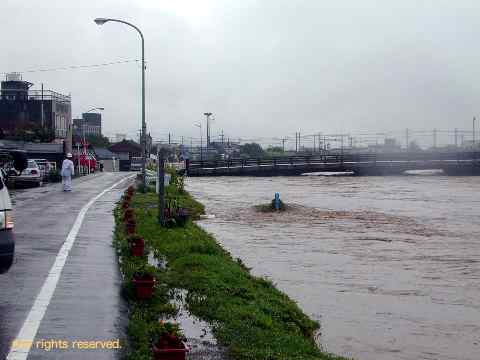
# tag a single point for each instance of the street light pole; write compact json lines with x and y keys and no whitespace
{"x":208,"y":114}
{"x":199,"y":125}
{"x":101,"y":21}
{"x":473,"y":132}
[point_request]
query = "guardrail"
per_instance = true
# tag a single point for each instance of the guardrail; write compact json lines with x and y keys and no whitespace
{"x":333,"y":159}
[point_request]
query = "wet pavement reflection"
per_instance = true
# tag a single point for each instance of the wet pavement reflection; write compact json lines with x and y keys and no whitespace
{"x":389,"y":265}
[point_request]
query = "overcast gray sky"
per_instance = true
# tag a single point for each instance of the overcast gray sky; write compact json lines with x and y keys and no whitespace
{"x":265,"y":68}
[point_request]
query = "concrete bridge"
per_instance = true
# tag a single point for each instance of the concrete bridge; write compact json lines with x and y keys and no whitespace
{"x":452,"y":163}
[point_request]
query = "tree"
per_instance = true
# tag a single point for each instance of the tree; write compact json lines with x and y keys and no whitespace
{"x":275,"y":151}
{"x":251,"y":150}
{"x":413,"y":146}
{"x":98,"y":140}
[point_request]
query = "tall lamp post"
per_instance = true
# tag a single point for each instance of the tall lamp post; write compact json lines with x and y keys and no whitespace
{"x":101,"y":21}
{"x":199,"y":125}
{"x":208,"y":114}
{"x":473,"y":133}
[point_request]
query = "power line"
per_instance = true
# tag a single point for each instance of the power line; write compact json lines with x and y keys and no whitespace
{"x":74,"y":67}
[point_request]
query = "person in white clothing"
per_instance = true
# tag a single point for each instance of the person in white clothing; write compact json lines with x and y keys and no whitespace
{"x":67,"y":171}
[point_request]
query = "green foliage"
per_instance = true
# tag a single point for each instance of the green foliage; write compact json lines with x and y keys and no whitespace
{"x":31,"y":131}
{"x":251,"y":150}
{"x":98,"y":140}
{"x":54,"y":176}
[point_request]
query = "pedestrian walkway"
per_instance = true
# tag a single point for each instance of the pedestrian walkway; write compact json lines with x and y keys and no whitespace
{"x":86,"y":304}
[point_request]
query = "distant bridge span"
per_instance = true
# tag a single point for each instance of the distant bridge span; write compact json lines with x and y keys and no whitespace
{"x":452,"y":163}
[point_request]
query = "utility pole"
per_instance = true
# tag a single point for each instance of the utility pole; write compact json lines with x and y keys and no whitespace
{"x":41,"y":109}
{"x":299,"y":141}
{"x":169,"y":139}
{"x":407,"y":143}
{"x":296,"y":142}
{"x":161,"y":185}
{"x":182,"y":141}
{"x":473,"y":131}
{"x":208,"y":114}
{"x":314,"y":143}
{"x":222,"y":136}
{"x":456,"y":137}
{"x":283,"y":143}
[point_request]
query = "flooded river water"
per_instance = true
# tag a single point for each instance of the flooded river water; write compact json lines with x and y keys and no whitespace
{"x":389,"y":265}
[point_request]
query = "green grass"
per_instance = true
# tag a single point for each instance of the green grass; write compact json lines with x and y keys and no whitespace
{"x":248,"y":314}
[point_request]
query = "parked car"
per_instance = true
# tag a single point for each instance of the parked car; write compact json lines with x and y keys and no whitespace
{"x":44,"y":167}
{"x":31,"y":175}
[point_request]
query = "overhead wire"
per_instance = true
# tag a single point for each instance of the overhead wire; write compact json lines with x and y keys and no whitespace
{"x":73,"y":67}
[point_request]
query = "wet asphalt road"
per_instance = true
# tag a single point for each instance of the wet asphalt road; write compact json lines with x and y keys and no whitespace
{"x":86,"y":304}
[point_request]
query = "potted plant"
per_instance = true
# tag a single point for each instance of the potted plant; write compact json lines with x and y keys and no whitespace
{"x":181,"y":216}
{"x":130,"y":226}
{"x":144,"y":281}
{"x":168,"y":342}
{"x":128,"y":214}
{"x":137,"y":245}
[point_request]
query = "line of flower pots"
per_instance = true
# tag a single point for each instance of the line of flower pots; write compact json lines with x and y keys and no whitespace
{"x":167,"y":339}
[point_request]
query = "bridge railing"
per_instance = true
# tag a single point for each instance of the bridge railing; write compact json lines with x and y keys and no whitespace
{"x":335,"y":158}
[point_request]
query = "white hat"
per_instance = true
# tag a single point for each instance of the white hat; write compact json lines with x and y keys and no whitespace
{"x":69,"y":155}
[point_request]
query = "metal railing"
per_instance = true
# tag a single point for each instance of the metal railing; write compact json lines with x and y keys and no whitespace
{"x":334,"y":159}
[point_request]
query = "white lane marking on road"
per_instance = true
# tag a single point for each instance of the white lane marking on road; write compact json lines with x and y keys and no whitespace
{"x":27,"y":333}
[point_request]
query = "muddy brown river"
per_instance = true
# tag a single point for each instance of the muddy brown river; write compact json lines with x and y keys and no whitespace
{"x":390,"y":266}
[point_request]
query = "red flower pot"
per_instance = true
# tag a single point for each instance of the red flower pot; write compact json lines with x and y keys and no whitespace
{"x":130,"y":227}
{"x":137,"y":247}
{"x":171,"y":354}
{"x":144,"y":286}
{"x":128,"y":215}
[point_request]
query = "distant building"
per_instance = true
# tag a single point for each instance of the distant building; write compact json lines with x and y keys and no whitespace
{"x":34,"y":115}
{"x":120,"y":137}
{"x":127,"y":151}
{"x":89,"y":124}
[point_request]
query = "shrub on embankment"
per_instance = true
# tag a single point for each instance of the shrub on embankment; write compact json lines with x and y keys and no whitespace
{"x":248,"y":314}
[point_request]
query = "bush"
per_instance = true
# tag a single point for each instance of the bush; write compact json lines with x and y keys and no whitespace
{"x":54,"y":176}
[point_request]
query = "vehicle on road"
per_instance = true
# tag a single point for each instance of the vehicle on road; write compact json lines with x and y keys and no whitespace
{"x":7,"y":239}
{"x":31,"y":175}
{"x":45,"y":166}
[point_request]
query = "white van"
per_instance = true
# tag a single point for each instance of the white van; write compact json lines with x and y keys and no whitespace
{"x":7,"y":238}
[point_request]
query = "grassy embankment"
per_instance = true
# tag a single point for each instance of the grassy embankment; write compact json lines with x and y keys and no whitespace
{"x":248,"y":314}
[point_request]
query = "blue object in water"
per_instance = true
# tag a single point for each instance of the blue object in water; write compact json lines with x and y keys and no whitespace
{"x":277,"y":201}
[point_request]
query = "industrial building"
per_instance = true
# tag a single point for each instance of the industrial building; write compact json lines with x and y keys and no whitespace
{"x":34,"y":115}
{"x":89,"y":124}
